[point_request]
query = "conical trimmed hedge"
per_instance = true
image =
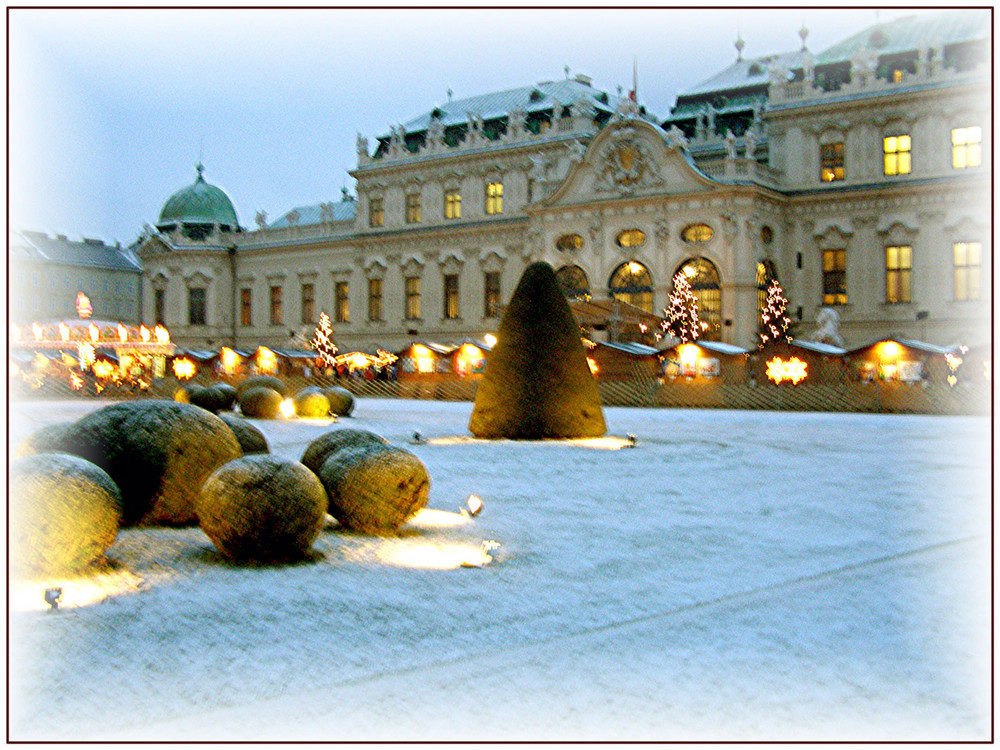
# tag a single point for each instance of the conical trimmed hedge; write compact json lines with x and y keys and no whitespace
{"x":537,"y":382}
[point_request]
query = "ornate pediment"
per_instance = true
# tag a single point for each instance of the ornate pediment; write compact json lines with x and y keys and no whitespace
{"x":626,"y":164}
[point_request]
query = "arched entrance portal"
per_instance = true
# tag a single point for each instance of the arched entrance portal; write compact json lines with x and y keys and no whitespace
{"x":703,"y":276}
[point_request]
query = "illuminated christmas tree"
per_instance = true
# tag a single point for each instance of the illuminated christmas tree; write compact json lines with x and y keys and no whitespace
{"x":682,"y":316}
{"x":322,"y":341}
{"x":774,"y":320}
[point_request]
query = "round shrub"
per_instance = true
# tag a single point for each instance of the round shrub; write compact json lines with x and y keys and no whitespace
{"x":251,"y":439}
{"x":65,"y":514}
{"x":330,"y":442}
{"x":213,"y":399}
{"x":262,"y":508}
{"x":228,"y":394}
{"x":341,"y":400}
{"x":47,"y":439}
{"x":262,"y":381}
{"x":187,"y":392}
{"x":374,"y":488}
{"x":157,"y":452}
{"x":310,"y":402}
{"x":260,"y":402}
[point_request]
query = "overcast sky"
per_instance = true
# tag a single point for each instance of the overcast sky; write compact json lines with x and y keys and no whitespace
{"x":111,"y":109}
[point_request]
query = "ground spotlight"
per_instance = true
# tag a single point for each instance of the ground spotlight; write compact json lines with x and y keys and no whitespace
{"x":485,"y":558}
{"x":417,"y":438}
{"x":52,"y":597}
{"x":473,"y":506}
{"x":632,"y":440}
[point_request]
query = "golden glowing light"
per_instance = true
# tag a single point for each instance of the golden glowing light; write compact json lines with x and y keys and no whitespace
{"x":37,"y":330}
{"x":103,"y":369}
{"x":144,"y":334}
{"x":780,"y":370}
{"x":889,"y":350}
{"x":592,"y":365}
{"x":184,"y":368}
{"x":430,"y":518}
{"x":230,"y":360}
{"x":359,"y":361}
{"x":267,"y":361}
{"x":419,"y":350}
{"x":490,"y":340}
{"x":952,"y":380}
{"x":288,"y":408}
{"x":63,"y":332}
{"x":87,"y":355}
{"x":162,"y":337}
{"x":75,"y":381}
{"x":688,"y":354}
{"x":95,"y":334}
{"x":954,"y":361}
{"x":122,"y":333}
{"x":83,"y":307}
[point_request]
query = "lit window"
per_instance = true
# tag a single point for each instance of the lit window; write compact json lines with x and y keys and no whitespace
{"x":765,"y":273}
{"x":897,"y":76}
{"x":834,"y":277}
{"x":697,"y":233}
{"x":569,"y":242}
{"x":451,"y":296}
{"x":277,"y":316}
{"x":374,"y":299}
{"x":703,"y":277}
{"x":412,"y":297}
{"x":196,"y":306}
{"x":491,"y":294}
{"x":898,"y":267}
{"x":453,"y":205}
{"x":896,"y":150}
{"x":966,"y":147}
{"x":494,"y":198}
{"x":632,"y":284}
{"x":246,"y":307}
{"x":341,"y":302}
{"x":631,"y":238}
{"x":413,"y":208}
{"x":831,"y":157}
{"x":967,"y":259}
{"x":376,"y":212}
{"x":308,"y":303}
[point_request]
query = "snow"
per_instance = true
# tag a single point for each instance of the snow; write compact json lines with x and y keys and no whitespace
{"x":736,"y":576}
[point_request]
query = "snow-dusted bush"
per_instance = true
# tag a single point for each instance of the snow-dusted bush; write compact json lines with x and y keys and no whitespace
{"x":537,"y":382}
{"x":374,"y":488}
{"x":261,"y":402}
{"x":328,"y":443}
{"x":311,"y":402}
{"x":157,"y":452}
{"x":65,"y":514}
{"x":186,"y":392}
{"x":251,"y":439}
{"x":214,"y":398}
{"x":341,"y":400}
{"x":47,"y":439}
{"x":262,"y":381}
{"x":262,"y":508}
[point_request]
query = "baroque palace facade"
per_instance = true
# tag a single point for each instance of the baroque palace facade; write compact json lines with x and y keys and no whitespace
{"x":859,"y":177}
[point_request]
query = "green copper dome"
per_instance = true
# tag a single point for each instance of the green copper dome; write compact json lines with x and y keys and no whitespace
{"x":197,"y":208}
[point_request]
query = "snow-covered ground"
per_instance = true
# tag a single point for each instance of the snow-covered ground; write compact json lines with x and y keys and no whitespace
{"x":736,"y":576}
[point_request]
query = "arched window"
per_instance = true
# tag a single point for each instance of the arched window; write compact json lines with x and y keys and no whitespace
{"x":765,"y":272}
{"x":574,"y":283}
{"x":632,"y":283}
{"x":631,"y":238}
{"x":704,"y":279}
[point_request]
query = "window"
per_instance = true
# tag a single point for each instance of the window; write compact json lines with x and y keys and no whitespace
{"x":246,"y":307}
{"x":308,"y":303}
{"x":341,"y":303}
{"x":569,"y":242}
{"x":376,"y":212}
{"x":966,"y":147}
{"x":697,"y":233}
{"x":898,"y":267}
{"x":412,"y":298}
{"x":159,"y":305}
{"x":451,"y":296}
{"x":277,"y":316}
{"x":413,"y":208}
{"x":896,"y":149}
{"x":573,"y":282}
{"x":196,"y":306}
{"x":494,"y":198}
{"x":834,"y":277}
{"x":703,"y":276}
{"x":765,"y":273}
{"x":632,"y":284}
{"x":831,"y":162}
{"x":374,"y":299}
{"x":967,"y":259}
{"x":631,"y":238}
{"x":491,"y":294}
{"x":452,"y":204}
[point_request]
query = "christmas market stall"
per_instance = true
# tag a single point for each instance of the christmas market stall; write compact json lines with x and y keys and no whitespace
{"x":705,"y":362}
{"x":426,"y":361}
{"x":622,"y":361}
{"x":797,"y":361}
{"x":892,"y":360}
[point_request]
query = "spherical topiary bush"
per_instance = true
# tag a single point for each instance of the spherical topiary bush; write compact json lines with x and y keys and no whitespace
{"x":262,"y":381}
{"x":251,"y":439}
{"x":64,"y":514}
{"x":330,"y":442}
{"x":310,"y":402}
{"x":341,"y":400}
{"x":262,"y":508}
{"x":375,"y":488}
{"x":157,"y":452}
{"x":228,"y":394}
{"x":213,"y":399}
{"x":187,"y":392}
{"x":47,"y":439}
{"x":260,"y":402}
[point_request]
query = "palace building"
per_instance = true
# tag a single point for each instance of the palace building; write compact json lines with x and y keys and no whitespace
{"x":859,"y":177}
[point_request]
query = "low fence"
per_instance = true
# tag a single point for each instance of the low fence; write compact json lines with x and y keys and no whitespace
{"x":900,"y":398}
